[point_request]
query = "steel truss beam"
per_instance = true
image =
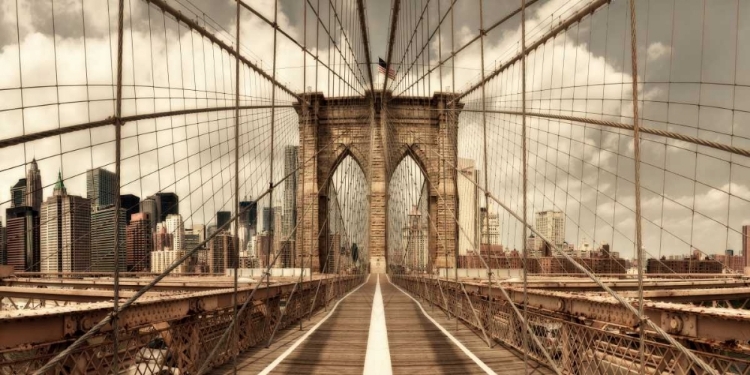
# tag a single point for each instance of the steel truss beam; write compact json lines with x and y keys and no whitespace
{"x":39,"y":326}
{"x":72,"y":295}
{"x":692,"y":295}
{"x":587,"y":344}
{"x":626,"y":285}
{"x":125,"y":284}
{"x":676,"y":319}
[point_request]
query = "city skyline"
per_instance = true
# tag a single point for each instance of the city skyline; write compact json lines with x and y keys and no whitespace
{"x":33,"y":177}
{"x":63,"y":238}
{"x":103,"y":188}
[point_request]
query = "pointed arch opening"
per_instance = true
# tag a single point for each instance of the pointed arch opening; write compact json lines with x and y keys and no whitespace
{"x":408,"y":224}
{"x":344,"y":234}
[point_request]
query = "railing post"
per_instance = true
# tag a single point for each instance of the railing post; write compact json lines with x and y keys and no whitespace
{"x":569,"y":353}
{"x":476,"y":316}
{"x":281,"y":316}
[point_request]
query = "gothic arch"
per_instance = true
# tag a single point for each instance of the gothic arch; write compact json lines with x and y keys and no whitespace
{"x":340,"y":153}
{"x":378,"y":140}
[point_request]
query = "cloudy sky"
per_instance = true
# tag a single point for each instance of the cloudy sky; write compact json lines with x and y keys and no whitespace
{"x":692,"y":68}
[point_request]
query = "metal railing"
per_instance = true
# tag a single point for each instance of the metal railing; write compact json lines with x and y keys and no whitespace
{"x":576,"y":347}
{"x":182,"y":346}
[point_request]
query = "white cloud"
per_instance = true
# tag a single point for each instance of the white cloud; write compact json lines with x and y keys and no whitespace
{"x":192,"y":67}
{"x":657,"y":50}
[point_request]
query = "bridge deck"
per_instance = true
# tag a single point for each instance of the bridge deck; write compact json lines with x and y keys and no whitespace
{"x":338,"y":342}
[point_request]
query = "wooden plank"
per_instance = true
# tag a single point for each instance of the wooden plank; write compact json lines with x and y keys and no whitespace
{"x":417,"y":346}
{"x":337,"y":346}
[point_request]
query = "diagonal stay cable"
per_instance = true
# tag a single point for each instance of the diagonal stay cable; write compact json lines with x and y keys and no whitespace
{"x":502,"y":290}
{"x":601,"y":284}
{"x":266,"y":275}
{"x":96,"y":328}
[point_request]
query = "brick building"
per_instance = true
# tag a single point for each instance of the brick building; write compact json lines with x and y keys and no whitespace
{"x":139,"y":243}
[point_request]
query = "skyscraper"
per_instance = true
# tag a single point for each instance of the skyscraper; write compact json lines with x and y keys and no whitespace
{"x":148,"y":206}
{"x":467,"y":206}
{"x":159,"y":206}
{"x":223,"y":217}
{"x":162,"y":259}
{"x":250,"y":214}
{"x":414,"y":237}
{"x":533,"y":246}
{"x":222,"y":254}
{"x":200,"y":230}
{"x":176,"y":229}
{"x":100,"y":187}
{"x":131,"y":204}
{"x":251,"y":251}
{"x":263,"y":248}
{"x":248,"y":220}
{"x":139,"y":243}
{"x":551,"y":225}
{"x":290,"y":190}
{"x":211,"y":229}
{"x":22,"y":238}
{"x":167,"y":204}
{"x":277,"y":236}
{"x":489,"y":224}
{"x":18,"y":194}
{"x":65,"y":230}
{"x":192,"y":240}
{"x":103,"y":240}
{"x":34,"y":195}
{"x":267,"y":219}
{"x":162,"y":239}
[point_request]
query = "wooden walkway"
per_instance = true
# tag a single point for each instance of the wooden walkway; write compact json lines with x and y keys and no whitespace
{"x":339,"y":342}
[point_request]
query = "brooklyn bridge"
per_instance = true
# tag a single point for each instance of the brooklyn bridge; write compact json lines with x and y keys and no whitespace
{"x":378,"y":187}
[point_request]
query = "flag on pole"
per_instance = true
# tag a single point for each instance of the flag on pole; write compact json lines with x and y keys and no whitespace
{"x":382,"y":66}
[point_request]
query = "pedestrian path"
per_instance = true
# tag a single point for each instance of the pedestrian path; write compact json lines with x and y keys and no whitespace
{"x":379,"y":329}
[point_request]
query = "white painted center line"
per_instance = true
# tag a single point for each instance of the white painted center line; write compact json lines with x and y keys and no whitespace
{"x":378,"y":355}
{"x":299,"y":341}
{"x":461,"y":346}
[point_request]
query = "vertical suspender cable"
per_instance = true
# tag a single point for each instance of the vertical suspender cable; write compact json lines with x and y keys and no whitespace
{"x":305,"y":112}
{"x":637,"y":157}
{"x":484,"y":151}
{"x":315,"y":162}
{"x":118,"y":153}
{"x":449,"y":115}
{"x":525,"y":165}
{"x":236,"y":186}
{"x":273,"y":127}
{"x":453,"y":110}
